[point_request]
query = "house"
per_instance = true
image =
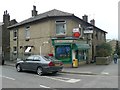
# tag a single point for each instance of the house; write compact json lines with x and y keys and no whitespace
{"x":57,"y":33}
{"x":5,"y":35}
{"x":0,"y":42}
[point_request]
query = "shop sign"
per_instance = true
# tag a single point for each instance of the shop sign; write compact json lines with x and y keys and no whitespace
{"x":88,"y":31}
{"x":76,"y":32}
{"x":63,"y":41}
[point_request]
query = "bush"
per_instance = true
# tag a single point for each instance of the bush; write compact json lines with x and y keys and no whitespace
{"x":103,"y":50}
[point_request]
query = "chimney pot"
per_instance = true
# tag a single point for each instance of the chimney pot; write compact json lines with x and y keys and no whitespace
{"x":85,"y":18}
{"x":92,"y":22}
{"x":34,"y":11}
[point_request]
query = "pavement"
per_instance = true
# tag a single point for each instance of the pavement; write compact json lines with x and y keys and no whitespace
{"x":86,"y":69}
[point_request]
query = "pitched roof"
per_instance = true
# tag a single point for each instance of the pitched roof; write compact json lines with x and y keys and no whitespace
{"x":51,"y":13}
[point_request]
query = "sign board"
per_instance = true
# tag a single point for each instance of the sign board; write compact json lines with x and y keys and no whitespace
{"x":88,"y":31}
{"x":76,"y":30}
{"x":63,"y":41}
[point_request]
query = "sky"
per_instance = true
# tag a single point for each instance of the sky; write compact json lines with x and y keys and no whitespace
{"x":105,"y":12}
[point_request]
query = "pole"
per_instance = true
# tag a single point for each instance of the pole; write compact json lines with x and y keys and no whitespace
{"x":40,"y":50}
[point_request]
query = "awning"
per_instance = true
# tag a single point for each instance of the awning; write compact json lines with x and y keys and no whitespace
{"x":28,"y":49}
{"x":78,"y":46}
{"x":60,"y":44}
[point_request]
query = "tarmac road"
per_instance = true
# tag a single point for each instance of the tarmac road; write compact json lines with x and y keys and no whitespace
{"x":106,"y":78}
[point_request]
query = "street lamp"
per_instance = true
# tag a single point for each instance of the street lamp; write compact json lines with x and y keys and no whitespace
{"x":42,"y":45}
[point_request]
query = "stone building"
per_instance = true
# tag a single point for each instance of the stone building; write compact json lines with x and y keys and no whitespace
{"x":5,"y":35}
{"x":1,"y":42}
{"x":55,"y":33}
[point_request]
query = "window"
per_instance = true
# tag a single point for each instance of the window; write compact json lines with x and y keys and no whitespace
{"x":36,"y":58}
{"x":28,"y":49}
{"x":14,"y":49}
{"x":14,"y":34}
{"x":27,"y":32}
{"x":60,"y":27}
{"x":103,"y":36}
{"x":30,"y":58}
{"x":63,"y":52}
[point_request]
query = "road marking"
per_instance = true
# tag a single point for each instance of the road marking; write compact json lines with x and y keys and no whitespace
{"x":8,"y":77}
{"x":68,"y":80}
{"x":44,"y":86}
{"x":73,"y":80}
{"x":105,"y":73}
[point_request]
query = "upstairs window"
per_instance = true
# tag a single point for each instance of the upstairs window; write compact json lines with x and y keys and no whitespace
{"x":14,"y":34}
{"x":27,"y":32}
{"x":60,"y":27}
{"x":14,"y":49}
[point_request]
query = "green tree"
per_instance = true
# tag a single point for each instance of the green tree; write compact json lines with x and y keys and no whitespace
{"x":103,"y":50}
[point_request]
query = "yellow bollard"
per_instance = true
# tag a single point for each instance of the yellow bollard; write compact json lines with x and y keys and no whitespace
{"x":75,"y":63}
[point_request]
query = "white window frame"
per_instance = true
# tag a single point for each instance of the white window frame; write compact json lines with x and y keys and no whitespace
{"x":27,"y":32}
{"x":58,"y":22}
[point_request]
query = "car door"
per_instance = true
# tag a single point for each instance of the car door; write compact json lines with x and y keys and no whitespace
{"x":27,"y":63}
{"x":35,"y":63}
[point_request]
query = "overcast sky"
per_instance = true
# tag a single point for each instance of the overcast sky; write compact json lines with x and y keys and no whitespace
{"x":105,"y":12}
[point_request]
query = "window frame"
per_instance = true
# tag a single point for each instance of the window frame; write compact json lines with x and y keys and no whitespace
{"x":61,"y":22}
{"x":25,"y":47}
{"x":39,"y":59}
{"x":15,"y":49}
{"x":27,"y":32}
{"x":15,"y":34}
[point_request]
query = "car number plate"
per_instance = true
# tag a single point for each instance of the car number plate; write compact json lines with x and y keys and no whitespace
{"x":57,"y":64}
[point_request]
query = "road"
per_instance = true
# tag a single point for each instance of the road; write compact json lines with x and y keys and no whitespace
{"x":13,"y":79}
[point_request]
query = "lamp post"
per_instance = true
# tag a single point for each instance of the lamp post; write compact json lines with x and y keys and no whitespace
{"x":42,"y":45}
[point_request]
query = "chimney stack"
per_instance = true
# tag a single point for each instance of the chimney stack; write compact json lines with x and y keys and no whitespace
{"x":92,"y":22}
{"x":6,"y":18}
{"x":34,"y":12}
{"x":85,"y":18}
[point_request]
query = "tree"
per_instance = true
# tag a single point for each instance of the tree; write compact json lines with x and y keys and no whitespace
{"x":103,"y":50}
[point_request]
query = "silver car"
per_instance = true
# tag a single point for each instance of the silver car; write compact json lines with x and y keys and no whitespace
{"x":40,"y":64}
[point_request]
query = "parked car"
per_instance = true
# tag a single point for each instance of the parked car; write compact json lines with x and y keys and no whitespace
{"x":40,"y":64}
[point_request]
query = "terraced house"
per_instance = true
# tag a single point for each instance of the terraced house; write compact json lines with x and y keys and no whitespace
{"x":56,"y":33}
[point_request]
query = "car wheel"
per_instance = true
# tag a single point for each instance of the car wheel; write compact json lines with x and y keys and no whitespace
{"x":39,"y":71}
{"x":18,"y":67}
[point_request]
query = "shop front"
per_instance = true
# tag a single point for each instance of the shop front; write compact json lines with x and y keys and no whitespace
{"x":67,"y":50}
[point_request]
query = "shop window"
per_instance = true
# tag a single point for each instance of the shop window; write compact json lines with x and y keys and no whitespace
{"x":60,"y":27}
{"x":82,"y":55}
{"x":63,"y":52}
